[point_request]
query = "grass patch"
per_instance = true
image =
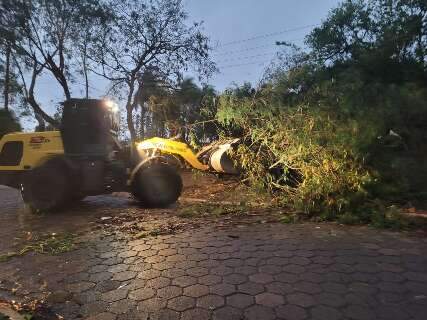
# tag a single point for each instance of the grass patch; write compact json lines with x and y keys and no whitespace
{"x":212,"y":209}
{"x":290,"y":218}
{"x":50,"y":243}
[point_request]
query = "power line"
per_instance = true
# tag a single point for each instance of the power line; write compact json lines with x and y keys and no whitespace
{"x":267,"y":35}
{"x":243,"y":64}
{"x":249,"y":57}
{"x":252,"y":48}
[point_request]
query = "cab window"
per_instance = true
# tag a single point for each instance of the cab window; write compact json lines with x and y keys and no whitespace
{"x":11,"y":153}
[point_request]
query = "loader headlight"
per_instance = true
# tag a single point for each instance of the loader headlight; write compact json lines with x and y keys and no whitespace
{"x":112,"y":106}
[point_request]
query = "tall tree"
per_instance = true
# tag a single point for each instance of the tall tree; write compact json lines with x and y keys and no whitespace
{"x":48,"y":33}
{"x":385,"y":38}
{"x":145,"y":34}
{"x":8,"y":38}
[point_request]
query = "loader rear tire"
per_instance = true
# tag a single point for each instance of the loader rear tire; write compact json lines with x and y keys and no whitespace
{"x":46,"y":187}
{"x":158,"y":185}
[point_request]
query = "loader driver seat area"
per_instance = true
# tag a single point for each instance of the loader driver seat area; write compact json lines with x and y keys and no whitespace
{"x":89,"y":128}
{"x":89,"y":131}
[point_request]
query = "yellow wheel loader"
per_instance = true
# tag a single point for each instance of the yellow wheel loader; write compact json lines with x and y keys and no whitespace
{"x":84,"y":158}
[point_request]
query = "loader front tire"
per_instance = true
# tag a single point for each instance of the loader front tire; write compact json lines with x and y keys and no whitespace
{"x":46,"y":187}
{"x":157,"y":185}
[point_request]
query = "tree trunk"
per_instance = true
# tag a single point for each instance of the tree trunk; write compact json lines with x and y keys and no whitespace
{"x":142,"y":128}
{"x":131,"y":125}
{"x":42,"y":124}
{"x":59,"y":75}
{"x":84,"y":55}
{"x":7,"y":77}
{"x":86,"y":77}
{"x":39,"y":113}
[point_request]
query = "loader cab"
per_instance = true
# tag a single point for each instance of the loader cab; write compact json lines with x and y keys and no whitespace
{"x":90,"y":128}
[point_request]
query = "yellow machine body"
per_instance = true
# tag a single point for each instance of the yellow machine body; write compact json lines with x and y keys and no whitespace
{"x":168,"y":146}
{"x":213,"y":157}
{"x":33,"y":149}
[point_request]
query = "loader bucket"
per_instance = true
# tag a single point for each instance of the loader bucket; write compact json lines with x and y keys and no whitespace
{"x":221,"y":162}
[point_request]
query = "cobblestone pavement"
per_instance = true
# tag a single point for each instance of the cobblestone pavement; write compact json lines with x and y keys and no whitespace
{"x":258,"y":271}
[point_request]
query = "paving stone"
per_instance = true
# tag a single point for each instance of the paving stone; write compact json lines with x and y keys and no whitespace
{"x":93,"y":308}
{"x":227,"y":313}
{"x":164,"y":314}
{"x":359,"y":313}
{"x":210,"y":301}
{"x":127,"y":254}
{"x":114,"y":295}
{"x":118,"y":268}
{"x":173,"y":273}
{"x":103,"y":316}
{"x":293,"y":268}
{"x":176,"y":258}
{"x":124,"y":276}
{"x":101,"y":276}
{"x":391,"y":287}
{"x":362,"y":288}
{"x":286,"y":277}
{"x":235,"y":278}
{"x":269,"y":299}
{"x":107,"y":285}
{"x":262,"y":278}
{"x":98,"y":268}
{"x":80,"y":287}
{"x":149,"y":274}
{"x":357,"y":299}
{"x":122,"y":307}
{"x":210,"y":279}
{"x":197,"y":257}
{"x":196,"y":290}
{"x":300,"y":261}
{"x":152,"y":305}
{"x":155,"y":259}
{"x":142,"y":294}
{"x":416,"y":276}
{"x":307,"y":287}
{"x":259,"y":312}
{"x":169,"y":292}
{"x":279,"y":288}
{"x":323,"y":312}
{"x":222,"y":271}
{"x":159,"y":282}
{"x":334,"y":287}
{"x":301,"y":299}
{"x":330,"y":299}
{"x":246,"y":270}
{"x":291,"y":312}
{"x":196,"y":314}
{"x":59,"y":296}
{"x":240,"y":300}
{"x":197,"y":271}
{"x":270,"y":269}
{"x":388,"y":312}
{"x":279,"y":261}
{"x":251,"y":288}
{"x":222,"y":289}
{"x":390,"y":298}
{"x":181,"y":303}
{"x":184,"y":281}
